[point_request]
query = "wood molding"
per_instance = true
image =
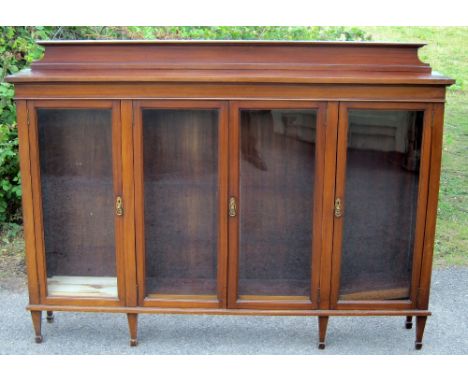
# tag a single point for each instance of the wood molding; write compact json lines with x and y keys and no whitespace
{"x":251,"y":61}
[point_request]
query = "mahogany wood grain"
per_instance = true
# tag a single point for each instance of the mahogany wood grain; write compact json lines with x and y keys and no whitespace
{"x":37,"y":324}
{"x":326,"y":75}
{"x":337,"y":241}
{"x":23,"y":121}
{"x":133,"y":328}
{"x":233,"y":91}
{"x":195,"y":61}
{"x":323,"y":323}
{"x":235,"y":312}
{"x":432,"y":201}
{"x":422,"y":202}
{"x":81,"y":301}
{"x":420,"y":325}
{"x":242,"y":62}
{"x":137,"y":128}
{"x":328,"y":201}
{"x":330,"y":77}
{"x":117,"y":152}
{"x":268,"y":297}
{"x":363,"y":56}
{"x":223,"y":196}
{"x":128,"y":193}
{"x":233,"y":221}
{"x":37,"y":205}
{"x":373,"y":304}
{"x":324,"y":120}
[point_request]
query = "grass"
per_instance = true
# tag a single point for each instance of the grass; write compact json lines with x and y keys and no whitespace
{"x":446,"y":52}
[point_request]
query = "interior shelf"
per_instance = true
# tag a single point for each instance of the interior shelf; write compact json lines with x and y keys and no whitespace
{"x":82,"y":286}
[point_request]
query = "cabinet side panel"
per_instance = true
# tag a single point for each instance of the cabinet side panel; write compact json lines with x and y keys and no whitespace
{"x":433,"y":197}
{"x":422,"y":204}
{"x":36,"y":200}
{"x":27,"y":201}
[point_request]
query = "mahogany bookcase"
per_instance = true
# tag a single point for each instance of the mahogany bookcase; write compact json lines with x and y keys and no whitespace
{"x":230,"y":177}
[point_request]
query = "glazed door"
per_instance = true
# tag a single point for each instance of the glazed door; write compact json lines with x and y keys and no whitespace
{"x":76,"y":177}
{"x":380,"y":202}
{"x":276,"y":151}
{"x":181,"y":202}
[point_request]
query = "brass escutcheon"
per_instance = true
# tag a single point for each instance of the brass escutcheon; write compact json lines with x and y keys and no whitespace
{"x":338,"y":210}
{"x":118,"y":206}
{"x":232,"y":207}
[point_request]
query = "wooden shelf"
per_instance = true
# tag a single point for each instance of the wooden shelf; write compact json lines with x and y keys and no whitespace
{"x":82,"y":286}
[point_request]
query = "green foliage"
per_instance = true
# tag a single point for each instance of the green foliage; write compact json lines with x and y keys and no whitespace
{"x":446,"y":52}
{"x":10,"y":187}
{"x":211,"y":33}
{"x":18,"y":49}
{"x":249,"y":33}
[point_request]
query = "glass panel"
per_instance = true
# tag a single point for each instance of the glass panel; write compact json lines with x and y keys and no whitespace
{"x":382,"y":176}
{"x":180,"y":153}
{"x":276,"y":194}
{"x":75,"y":147}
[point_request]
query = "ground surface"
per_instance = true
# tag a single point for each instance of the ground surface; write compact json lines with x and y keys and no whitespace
{"x":89,"y":333}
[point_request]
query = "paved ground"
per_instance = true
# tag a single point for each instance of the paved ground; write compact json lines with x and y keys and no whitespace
{"x":89,"y":333}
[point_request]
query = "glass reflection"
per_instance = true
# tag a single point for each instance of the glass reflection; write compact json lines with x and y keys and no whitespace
{"x":382,"y":176}
{"x":276,"y":193}
{"x":180,"y":154}
{"x":75,"y":148}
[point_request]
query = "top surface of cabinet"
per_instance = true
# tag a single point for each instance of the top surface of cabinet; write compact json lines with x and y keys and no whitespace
{"x":231,"y":61}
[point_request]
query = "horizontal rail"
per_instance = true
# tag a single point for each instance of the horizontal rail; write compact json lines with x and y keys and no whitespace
{"x":233,"y":312}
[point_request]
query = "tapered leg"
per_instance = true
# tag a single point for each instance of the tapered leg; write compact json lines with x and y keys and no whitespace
{"x":409,"y":322}
{"x":36,"y":319}
{"x":323,"y":323}
{"x":50,"y":316}
{"x":133,"y":327}
{"x":420,"y":325}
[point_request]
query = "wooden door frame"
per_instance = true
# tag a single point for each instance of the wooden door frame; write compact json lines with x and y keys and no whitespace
{"x":275,"y":302}
{"x":422,"y":296}
{"x":421,"y":212}
{"x":182,"y":301}
{"x":39,"y":245}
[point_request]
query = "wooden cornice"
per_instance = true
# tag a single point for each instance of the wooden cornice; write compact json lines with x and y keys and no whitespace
{"x":230,"y":61}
